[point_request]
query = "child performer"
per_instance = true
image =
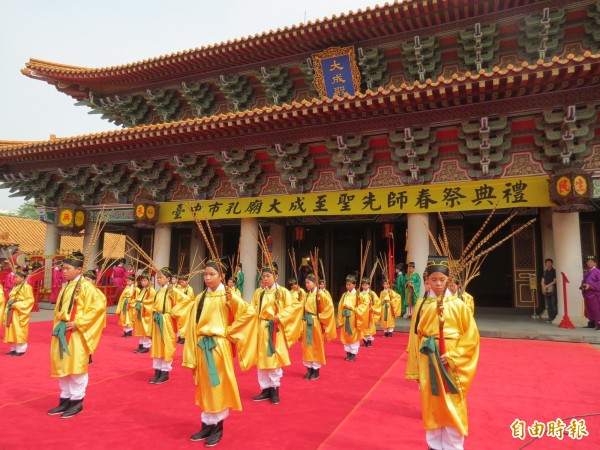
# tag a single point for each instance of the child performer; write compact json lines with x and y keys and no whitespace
{"x":374,"y":311}
{"x":353,"y":317}
{"x":163,"y":326}
{"x":218,"y":317}
{"x":319,"y":323}
{"x":18,"y":312}
{"x":126,"y":306}
{"x":182,"y":309}
{"x":391,"y":307}
{"x":143,"y":314}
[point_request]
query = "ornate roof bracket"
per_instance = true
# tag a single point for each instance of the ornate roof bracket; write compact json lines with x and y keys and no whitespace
{"x":167,"y":103}
{"x":295,"y":166}
{"x":486,"y":145}
{"x":277,"y":84}
{"x":420,"y":58}
{"x":128,"y":110}
{"x":200,"y":97}
{"x":351,"y":157}
{"x":244,"y":173}
{"x":479,"y":46}
{"x":542,"y":34}
{"x":196,"y":175}
{"x":373,"y":68}
{"x":564,"y":135}
{"x":414,"y":150}
{"x":237,"y":91}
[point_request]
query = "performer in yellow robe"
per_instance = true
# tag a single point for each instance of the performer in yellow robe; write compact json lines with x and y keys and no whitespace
{"x":353,"y":317}
{"x":90,"y":275}
{"x":374,"y":311}
{"x":445,"y":378}
{"x":181,"y":310}
{"x":218,"y":319}
{"x":319,"y":323}
{"x":125,"y":317}
{"x":79,"y":310}
{"x":279,"y":327}
{"x":232,"y":285}
{"x":391,"y":307}
{"x":296,"y":291}
{"x":163,"y":326}
{"x":17,"y":315}
{"x":323,"y":289}
{"x":142,"y":314}
{"x":412,"y":367}
{"x":454,"y":286}
{"x":2,"y":305}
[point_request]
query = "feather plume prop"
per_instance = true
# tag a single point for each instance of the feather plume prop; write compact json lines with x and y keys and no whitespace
{"x":364,"y":254}
{"x":209,"y":240}
{"x":322,"y":271}
{"x":373,"y":271}
{"x":314,"y":263}
{"x":383,"y":262}
{"x":292,"y":255}
{"x":97,"y":228}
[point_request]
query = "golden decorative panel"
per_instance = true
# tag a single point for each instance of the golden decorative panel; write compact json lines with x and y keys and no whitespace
{"x":225,"y":190}
{"x":273,"y":187}
{"x":593,"y":162}
{"x":326,"y":182}
{"x":385,"y":177}
{"x":522,"y":165}
{"x":450,"y":172}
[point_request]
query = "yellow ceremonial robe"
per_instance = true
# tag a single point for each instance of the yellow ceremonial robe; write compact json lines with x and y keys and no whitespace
{"x":268,"y":303}
{"x":182,"y":308}
{"x":226,"y":321}
{"x":79,"y":302}
{"x":2,"y":305}
{"x":374,"y":311}
{"x":469,"y":301}
{"x":392,"y":303}
{"x":142,"y":319}
{"x":359,"y":316}
{"x":412,"y":348}
{"x":323,"y":325}
{"x":123,"y":310}
{"x":17,"y":331}
{"x":163,"y":344}
{"x":462,"y":352}
{"x":299,"y":294}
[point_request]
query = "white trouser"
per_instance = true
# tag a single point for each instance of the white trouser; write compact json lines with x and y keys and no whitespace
{"x":445,"y":438}
{"x":73,"y":386}
{"x":162,"y":365}
{"x":145,"y":342}
{"x":369,"y":338}
{"x":214,"y":418}
{"x":312,"y":364}
{"x":389,"y":330}
{"x":127,"y":329}
{"x":19,"y":348}
{"x":268,"y":378}
{"x":352,"y":348}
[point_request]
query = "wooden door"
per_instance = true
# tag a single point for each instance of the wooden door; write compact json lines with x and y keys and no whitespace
{"x":524,"y":267}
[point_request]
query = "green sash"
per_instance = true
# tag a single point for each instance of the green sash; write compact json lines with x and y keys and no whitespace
{"x":430,"y":349}
{"x":158,"y":320}
{"x":125,"y":303}
{"x":309,"y":328}
{"x":138,"y":308}
{"x":60,"y":331}
{"x":386,"y":307}
{"x":347,"y":327}
{"x":8,"y":311}
{"x":207,"y":344}
{"x":272,"y":329}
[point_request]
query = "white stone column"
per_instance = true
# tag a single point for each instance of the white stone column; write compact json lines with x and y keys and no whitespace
{"x":249,"y":255}
{"x":418,"y":241}
{"x":547,"y":233}
{"x":198,"y":253}
{"x":91,"y":253}
{"x":568,"y":260}
{"x":162,"y":245}
{"x":51,"y":247}
{"x":277,"y":233}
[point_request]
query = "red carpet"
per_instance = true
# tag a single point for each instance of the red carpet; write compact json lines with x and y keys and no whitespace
{"x":361,"y":405}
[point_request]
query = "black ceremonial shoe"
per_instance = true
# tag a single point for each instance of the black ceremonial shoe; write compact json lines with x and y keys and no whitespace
{"x":164,"y":377}
{"x":352,"y":357}
{"x":75,"y":408}
{"x":155,"y":377}
{"x":347,"y":358}
{"x":63,"y":405}
{"x":264,"y":395}
{"x":18,"y":353}
{"x":314,"y":375}
{"x":275,"y":395}
{"x":308,"y":374}
{"x":215,"y":435}
{"x":142,"y":350}
{"x":11,"y":353}
{"x":202,"y":434}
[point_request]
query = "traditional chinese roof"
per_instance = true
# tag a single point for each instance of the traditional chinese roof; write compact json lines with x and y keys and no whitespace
{"x":30,"y":236}
{"x":372,"y":26}
{"x":578,"y":78}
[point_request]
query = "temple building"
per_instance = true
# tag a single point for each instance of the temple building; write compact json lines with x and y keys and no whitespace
{"x":359,"y":127}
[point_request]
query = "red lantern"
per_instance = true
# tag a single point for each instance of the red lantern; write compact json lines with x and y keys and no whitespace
{"x":299,"y":233}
